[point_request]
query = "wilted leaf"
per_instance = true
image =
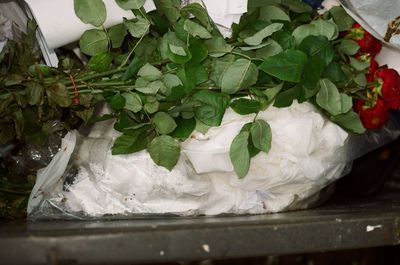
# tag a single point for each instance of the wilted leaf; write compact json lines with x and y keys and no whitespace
{"x":58,"y":94}
{"x":85,"y":114}
{"x":35,"y":93}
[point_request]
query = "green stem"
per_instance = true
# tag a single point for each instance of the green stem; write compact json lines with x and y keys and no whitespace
{"x":144,"y":15}
{"x":237,"y":44}
{"x":100,"y":84}
{"x":170,"y":71}
{"x":15,"y":192}
{"x":97,"y":75}
{"x":134,"y":47}
{"x":87,"y":91}
{"x":241,"y":55}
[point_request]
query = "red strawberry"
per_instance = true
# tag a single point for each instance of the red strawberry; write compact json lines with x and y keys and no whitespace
{"x":367,"y":42}
{"x":371,"y":70}
{"x":389,"y":81}
{"x":374,"y":116}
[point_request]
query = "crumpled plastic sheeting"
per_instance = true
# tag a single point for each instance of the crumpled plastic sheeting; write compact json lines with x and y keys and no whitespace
{"x":301,"y":162}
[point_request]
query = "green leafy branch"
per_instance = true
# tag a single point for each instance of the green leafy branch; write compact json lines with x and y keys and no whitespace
{"x":169,"y":72}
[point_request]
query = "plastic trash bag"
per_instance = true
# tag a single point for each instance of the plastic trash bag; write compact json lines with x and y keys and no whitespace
{"x":84,"y":180}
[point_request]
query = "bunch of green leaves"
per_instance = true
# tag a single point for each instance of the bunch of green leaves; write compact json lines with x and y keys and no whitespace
{"x":172,"y":72}
{"x":14,"y":197}
{"x":33,"y":95}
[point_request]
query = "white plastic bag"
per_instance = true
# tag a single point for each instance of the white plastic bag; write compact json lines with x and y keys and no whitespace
{"x":308,"y":153}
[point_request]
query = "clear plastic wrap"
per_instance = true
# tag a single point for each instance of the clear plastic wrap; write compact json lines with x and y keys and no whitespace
{"x":84,"y":180}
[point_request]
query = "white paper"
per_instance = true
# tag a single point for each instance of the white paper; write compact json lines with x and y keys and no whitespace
{"x":225,"y":7}
{"x":390,"y":56}
{"x":224,"y":12}
{"x":59,"y":24}
{"x":374,"y":16}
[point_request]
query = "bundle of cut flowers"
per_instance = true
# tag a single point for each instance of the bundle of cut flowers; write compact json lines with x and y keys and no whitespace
{"x":168,"y":72}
